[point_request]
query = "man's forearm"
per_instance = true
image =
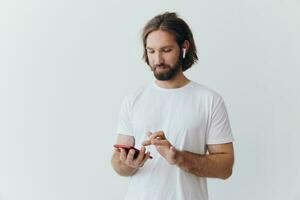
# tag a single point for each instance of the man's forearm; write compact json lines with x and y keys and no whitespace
{"x":212,"y":165}
{"x":121,"y":168}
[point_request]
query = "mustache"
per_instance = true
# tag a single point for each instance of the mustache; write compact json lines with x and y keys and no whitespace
{"x":153,"y":68}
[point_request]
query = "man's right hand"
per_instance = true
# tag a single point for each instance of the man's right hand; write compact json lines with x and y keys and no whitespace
{"x":128,"y":159}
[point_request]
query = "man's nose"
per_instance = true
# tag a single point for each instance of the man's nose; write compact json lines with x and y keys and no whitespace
{"x":158,"y":59}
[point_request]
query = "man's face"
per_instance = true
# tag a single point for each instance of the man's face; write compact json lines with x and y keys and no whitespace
{"x":163,"y":55}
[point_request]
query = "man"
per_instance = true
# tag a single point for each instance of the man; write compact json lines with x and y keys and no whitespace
{"x":183,"y":124}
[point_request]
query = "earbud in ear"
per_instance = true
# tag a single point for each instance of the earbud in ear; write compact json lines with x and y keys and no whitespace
{"x":184,"y":52}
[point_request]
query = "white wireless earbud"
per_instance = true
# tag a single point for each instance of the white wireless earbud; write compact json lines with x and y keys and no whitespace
{"x":184,"y":52}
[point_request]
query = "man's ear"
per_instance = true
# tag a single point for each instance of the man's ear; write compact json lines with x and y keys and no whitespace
{"x":186,"y":45}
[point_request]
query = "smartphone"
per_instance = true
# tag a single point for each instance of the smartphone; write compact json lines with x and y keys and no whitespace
{"x":127,"y":148}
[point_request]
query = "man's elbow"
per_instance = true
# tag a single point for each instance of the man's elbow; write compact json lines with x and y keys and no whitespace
{"x":228,"y":168}
{"x":226,"y":174}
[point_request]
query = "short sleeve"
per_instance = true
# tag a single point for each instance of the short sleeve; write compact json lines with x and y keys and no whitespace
{"x":124,"y":125}
{"x":219,"y":130}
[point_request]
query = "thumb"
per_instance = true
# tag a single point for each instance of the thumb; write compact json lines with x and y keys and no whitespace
{"x":173,"y":149}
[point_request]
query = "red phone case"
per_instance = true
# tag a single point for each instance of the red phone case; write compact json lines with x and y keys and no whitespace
{"x":127,"y":148}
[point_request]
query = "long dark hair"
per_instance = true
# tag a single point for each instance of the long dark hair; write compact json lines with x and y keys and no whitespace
{"x":176,"y":26}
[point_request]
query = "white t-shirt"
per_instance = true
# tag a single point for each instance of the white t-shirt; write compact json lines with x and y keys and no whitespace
{"x":191,"y":117}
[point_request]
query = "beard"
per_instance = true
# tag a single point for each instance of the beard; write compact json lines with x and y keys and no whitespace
{"x":169,"y":71}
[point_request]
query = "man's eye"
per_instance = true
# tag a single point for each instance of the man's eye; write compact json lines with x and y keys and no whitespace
{"x":150,"y":52}
{"x":167,"y":50}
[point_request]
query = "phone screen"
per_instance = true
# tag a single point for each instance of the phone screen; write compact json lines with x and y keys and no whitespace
{"x":127,"y":148}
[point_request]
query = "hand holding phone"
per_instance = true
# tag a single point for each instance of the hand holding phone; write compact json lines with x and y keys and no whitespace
{"x":127,"y":148}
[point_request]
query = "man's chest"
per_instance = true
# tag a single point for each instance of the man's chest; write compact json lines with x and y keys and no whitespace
{"x":181,"y":121}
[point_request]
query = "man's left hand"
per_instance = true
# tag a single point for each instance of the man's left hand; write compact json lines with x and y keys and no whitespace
{"x":163,"y":146}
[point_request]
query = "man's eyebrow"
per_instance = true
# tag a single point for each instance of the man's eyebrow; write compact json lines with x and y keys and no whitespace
{"x":167,"y":46}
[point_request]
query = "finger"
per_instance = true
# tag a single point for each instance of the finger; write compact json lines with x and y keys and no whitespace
{"x":147,"y":155}
{"x":130,"y":156}
{"x":117,"y":150}
{"x":174,"y":154}
{"x":158,"y":134}
{"x":123,"y":155}
{"x":159,"y":142}
{"x":146,"y":143}
{"x":141,"y":155}
{"x":173,"y":149}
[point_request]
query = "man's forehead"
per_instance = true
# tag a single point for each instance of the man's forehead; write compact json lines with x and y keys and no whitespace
{"x":160,"y":46}
{"x":160,"y":39}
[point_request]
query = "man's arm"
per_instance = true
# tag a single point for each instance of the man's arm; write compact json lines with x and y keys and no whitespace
{"x":217,"y":164}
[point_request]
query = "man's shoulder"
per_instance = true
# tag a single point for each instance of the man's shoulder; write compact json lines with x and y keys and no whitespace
{"x":205,"y":91}
{"x":136,"y":92}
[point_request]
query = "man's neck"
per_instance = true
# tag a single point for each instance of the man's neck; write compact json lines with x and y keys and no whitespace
{"x":178,"y":81}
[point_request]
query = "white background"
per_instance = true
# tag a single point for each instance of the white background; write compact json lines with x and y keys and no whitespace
{"x":65,"y":67}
